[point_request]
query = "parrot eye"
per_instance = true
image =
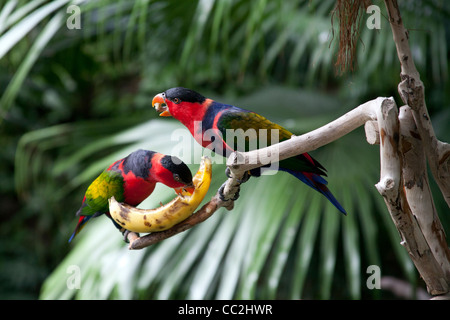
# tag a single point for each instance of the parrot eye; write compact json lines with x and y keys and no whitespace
{"x":176,"y":100}
{"x":176,"y":177}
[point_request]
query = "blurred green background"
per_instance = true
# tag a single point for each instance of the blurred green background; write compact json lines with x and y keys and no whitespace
{"x":76,"y":99}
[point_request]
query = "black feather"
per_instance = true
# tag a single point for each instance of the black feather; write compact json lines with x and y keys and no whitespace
{"x":184,"y":94}
{"x":176,"y":166}
{"x":139,"y":162}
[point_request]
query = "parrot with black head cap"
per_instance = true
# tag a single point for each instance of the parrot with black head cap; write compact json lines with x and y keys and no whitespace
{"x":131,"y":180}
{"x":200,"y":114}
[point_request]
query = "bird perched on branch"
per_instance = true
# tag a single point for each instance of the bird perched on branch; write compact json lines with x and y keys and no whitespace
{"x":131,"y":180}
{"x":211,"y":123}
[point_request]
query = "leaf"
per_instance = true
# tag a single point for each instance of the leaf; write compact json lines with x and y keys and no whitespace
{"x":263,"y":232}
{"x":352,"y":251}
{"x":39,"y":45}
{"x":16,"y":33}
{"x":7,"y":9}
{"x":328,"y":252}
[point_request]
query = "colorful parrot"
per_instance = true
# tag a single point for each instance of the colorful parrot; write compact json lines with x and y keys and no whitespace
{"x":131,"y":180}
{"x":202,"y":115}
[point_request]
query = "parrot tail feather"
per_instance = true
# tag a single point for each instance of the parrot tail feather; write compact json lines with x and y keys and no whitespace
{"x":81,"y":223}
{"x":319,"y":184}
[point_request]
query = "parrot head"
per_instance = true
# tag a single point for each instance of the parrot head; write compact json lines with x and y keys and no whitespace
{"x":155,"y":167}
{"x":180,"y":103}
{"x":174,"y":173}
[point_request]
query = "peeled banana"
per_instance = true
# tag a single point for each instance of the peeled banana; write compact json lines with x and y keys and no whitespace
{"x":168,"y":215}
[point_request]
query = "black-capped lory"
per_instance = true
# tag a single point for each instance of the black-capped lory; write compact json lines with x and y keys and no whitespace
{"x":210,"y":122}
{"x":131,"y":180}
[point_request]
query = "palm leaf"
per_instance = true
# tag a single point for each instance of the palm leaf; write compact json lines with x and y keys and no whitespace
{"x":12,"y":36}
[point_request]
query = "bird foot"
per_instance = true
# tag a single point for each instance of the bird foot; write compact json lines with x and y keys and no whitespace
{"x":126,"y":233}
{"x":222,"y":197}
{"x":244,"y":178}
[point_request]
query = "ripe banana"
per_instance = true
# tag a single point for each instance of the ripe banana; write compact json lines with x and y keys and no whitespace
{"x":168,"y":215}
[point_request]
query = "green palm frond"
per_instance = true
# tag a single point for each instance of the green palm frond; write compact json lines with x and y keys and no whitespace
{"x":270,"y":37}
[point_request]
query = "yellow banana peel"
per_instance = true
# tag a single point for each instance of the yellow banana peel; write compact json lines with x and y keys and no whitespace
{"x":168,"y":215}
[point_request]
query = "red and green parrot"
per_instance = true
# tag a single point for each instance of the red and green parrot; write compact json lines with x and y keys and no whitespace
{"x":202,"y":115}
{"x":131,"y":180}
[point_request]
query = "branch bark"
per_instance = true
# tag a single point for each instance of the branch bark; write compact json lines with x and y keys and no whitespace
{"x":240,"y":162}
{"x":417,"y":190}
{"x":201,"y":215}
{"x":418,"y":142}
{"x":412,"y":93}
{"x":392,"y":189}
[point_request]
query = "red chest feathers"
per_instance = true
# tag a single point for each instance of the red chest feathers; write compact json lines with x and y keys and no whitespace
{"x":136,"y":189}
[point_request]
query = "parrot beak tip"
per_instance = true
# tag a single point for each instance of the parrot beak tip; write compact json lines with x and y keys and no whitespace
{"x":165,"y":113}
{"x":186,"y":189}
{"x":189,"y":189}
{"x":160,"y":106}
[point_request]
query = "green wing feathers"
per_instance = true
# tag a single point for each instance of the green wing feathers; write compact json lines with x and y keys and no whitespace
{"x":107,"y":184}
{"x":252,"y":124}
{"x":256,"y":130}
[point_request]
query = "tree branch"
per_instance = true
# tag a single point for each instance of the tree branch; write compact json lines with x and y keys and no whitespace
{"x":240,"y":162}
{"x":412,"y":92}
{"x":399,"y":205}
{"x":201,"y":215}
{"x":417,"y":190}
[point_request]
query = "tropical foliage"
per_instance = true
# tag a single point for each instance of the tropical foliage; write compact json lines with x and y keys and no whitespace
{"x":74,"y":99}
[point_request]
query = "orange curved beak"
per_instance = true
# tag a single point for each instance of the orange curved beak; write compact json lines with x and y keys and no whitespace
{"x":188,"y":188}
{"x":160,"y":105}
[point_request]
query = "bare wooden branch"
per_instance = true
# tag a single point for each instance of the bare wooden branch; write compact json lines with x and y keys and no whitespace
{"x":403,"y":289}
{"x":390,"y":169}
{"x":240,"y":162}
{"x":412,"y":92}
{"x":392,"y":190}
{"x":417,"y":190}
{"x":417,"y":140}
{"x":372,"y":132}
{"x":201,"y":215}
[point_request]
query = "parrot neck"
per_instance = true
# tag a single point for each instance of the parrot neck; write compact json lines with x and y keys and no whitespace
{"x":190,"y":113}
